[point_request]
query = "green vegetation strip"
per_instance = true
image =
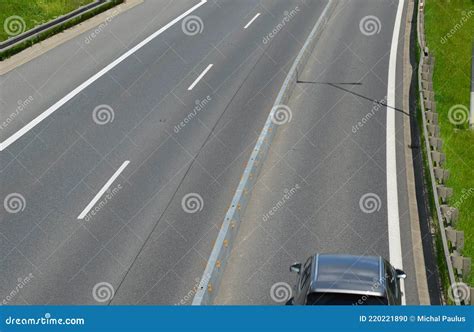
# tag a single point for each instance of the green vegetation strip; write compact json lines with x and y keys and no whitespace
{"x":449,"y":29}
{"x":26,"y":14}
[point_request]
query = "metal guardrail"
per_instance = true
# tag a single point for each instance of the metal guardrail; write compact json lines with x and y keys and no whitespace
{"x":452,"y":240}
{"x":11,"y":42}
{"x":214,"y":271}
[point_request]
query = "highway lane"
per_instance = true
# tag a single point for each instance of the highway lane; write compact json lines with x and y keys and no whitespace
{"x":48,"y":78}
{"x":150,"y":142}
{"x":323,"y":187}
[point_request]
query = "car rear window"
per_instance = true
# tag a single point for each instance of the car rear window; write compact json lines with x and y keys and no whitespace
{"x":344,"y":299}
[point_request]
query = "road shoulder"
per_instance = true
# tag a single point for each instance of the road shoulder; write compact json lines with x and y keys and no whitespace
{"x":60,"y":38}
{"x":418,"y":256}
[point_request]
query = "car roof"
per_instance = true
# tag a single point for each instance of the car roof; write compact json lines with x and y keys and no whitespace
{"x":348,"y":274}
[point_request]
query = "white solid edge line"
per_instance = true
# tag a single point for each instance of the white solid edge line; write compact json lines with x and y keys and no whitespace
{"x":200,"y":77}
{"x":251,"y":21}
{"x":395,"y":246}
{"x":103,"y":190}
{"x":92,"y":79}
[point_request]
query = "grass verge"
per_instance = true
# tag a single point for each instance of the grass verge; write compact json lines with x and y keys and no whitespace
{"x":35,"y":12}
{"x":449,"y":29}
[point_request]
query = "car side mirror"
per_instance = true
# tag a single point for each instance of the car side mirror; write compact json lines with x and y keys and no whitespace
{"x":400,"y":274}
{"x":296,"y":267}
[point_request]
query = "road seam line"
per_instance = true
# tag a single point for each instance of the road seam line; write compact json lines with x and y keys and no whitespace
{"x":209,"y":283}
{"x":200,"y":77}
{"x":103,"y":190}
{"x":394,"y":239}
{"x":93,"y":78}
{"x":251,"y":21}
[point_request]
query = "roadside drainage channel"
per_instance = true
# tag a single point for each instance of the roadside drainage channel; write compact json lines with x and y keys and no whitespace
{"x":211,"y":278}
{"x":12,"y":42}
{"x":459,"y":267}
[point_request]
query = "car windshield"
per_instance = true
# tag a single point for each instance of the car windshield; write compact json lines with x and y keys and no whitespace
{"x":344,"y":299}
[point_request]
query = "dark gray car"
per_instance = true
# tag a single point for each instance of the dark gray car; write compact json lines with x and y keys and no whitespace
{"x":327,"y":279}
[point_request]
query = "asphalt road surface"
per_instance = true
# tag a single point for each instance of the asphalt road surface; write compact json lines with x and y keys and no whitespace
{"x":114,"y":187}
{"x":324,"y":187}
